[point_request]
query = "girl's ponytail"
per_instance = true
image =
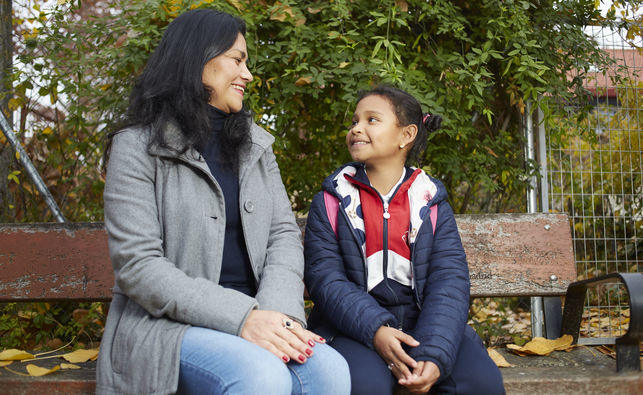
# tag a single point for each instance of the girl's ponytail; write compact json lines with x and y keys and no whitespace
{"x":431,"y":122}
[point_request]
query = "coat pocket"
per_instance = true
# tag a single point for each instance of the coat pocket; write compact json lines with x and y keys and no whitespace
{"x":121,"y":351}
{"x":146,"y":351}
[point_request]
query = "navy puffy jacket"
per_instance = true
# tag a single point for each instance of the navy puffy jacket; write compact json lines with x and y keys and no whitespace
{"x":336,"y":281}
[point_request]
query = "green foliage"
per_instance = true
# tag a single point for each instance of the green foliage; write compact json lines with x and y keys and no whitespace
{"x":37,"y":325}
{"x":476,"y":63}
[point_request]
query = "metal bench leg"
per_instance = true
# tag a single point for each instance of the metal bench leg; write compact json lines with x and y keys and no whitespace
{"x":627,"y":346}
{"x":553,"y":311}
{"x":627,"y":355}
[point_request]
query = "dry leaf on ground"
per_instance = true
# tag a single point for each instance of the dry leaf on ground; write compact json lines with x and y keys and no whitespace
{"x":5,"y":363}
{"x":37,"y":371}
{"x":14,"y":355}
{"x":542,"y":346}
{"x":69,"y":366}
{"x":80,"y":356}
{"x":499,"y":360}
{"x":607,"y":350}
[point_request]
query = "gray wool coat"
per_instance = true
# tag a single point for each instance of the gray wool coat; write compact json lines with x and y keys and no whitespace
{"x":165,"y":219}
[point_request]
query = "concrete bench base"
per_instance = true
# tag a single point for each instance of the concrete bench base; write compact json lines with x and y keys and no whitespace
{"x":583,"y":370}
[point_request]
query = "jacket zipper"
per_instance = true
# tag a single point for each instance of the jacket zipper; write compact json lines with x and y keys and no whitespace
{"x":386,"y":217}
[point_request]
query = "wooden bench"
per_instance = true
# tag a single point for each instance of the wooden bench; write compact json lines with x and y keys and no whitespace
{"x":508,"y":254}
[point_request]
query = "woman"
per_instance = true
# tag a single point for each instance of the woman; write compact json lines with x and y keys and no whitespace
{"x":207,"y":256}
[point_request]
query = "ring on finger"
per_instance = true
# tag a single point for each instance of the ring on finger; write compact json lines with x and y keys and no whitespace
{"x":391,"y":365}
{"x":288,"y":324}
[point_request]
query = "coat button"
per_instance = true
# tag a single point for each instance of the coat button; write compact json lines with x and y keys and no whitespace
{"x":249,"y":206}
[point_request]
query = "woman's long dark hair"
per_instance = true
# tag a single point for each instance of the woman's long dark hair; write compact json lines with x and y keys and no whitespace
{"x":170,"y":89}
{"x":408,"y":111}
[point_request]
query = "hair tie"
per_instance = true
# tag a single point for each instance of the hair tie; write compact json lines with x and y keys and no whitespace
{"x":426,"y":116}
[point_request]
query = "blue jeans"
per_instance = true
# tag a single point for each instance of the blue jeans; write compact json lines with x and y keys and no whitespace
{"x":214,"y":362}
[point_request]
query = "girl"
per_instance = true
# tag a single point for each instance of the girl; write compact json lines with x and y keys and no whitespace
{"x":384,"y":263}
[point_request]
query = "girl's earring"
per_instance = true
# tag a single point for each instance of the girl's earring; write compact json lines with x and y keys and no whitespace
{"x":401,"y":146}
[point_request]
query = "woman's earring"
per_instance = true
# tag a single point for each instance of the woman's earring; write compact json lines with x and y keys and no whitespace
{"x":401,"y":146}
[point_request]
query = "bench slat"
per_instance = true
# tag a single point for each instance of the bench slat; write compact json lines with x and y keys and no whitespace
{"x":54,"y":261}
{"x":517,"y":254}
{"x":508,"y":254}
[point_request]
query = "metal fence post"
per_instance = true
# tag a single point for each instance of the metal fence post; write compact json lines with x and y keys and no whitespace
{"x":30,"y":168}
{"x":537,"y":319}
{"x":552,"y":306}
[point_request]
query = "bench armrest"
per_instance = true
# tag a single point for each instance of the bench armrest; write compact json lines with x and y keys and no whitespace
{"x":627,"y":346}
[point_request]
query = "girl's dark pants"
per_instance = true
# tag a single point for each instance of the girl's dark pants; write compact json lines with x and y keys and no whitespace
{"x":474,"y":372}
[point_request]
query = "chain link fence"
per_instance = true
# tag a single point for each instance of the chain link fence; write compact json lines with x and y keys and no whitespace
{"x":594,"y":173}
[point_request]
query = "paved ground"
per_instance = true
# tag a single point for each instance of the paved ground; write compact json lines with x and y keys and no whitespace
{"x":580,"y":371}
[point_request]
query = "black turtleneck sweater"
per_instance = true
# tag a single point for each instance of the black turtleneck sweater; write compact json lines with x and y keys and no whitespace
{"x":236,"y":272}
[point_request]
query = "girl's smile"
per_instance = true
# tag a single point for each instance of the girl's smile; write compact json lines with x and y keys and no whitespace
{"x":375,"y":136}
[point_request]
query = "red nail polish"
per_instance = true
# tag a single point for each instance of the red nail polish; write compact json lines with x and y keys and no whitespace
{"x":285,"y":358}
{"x":301,"y":358}
{"x":322,"y":339}
{"x":312,"y":343}
{"x":309,"y":352}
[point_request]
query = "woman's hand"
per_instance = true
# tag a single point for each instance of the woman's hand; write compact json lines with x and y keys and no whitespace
{"x":266,"y":329}
{"x":388,"y":343}
{"x":425,"y":374}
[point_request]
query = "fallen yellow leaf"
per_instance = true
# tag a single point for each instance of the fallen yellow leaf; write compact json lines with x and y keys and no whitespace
{"x":14,"y":355}
{"x":5,"y":363}
{"x":517,"y":350}
{"x":37,"y":371}
{"x":499,"y":360}
{"x":542,"y":346}
{"x":80,"y":356}
{"x":69,"y":366}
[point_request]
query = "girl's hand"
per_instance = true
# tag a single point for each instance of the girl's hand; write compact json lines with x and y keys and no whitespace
{"x":388,"y":343}
{"x":425,"y":374}
{"x":266,"y":329}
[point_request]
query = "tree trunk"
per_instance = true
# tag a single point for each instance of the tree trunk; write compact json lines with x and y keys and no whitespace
{"x":6,"y":153}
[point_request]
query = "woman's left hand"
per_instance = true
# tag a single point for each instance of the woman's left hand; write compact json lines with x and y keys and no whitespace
{"x":425,"y":374}
{"x":268,"y":329}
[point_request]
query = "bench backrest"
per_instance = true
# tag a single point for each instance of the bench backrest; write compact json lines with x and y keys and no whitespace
{"x":508,"y":254}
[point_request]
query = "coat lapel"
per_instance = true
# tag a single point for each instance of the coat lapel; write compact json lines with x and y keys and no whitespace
{"x":260,"y":141}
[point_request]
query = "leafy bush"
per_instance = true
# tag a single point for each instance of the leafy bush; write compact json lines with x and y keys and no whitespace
{"x":474,"y":62}
{"x":50,"y":325}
